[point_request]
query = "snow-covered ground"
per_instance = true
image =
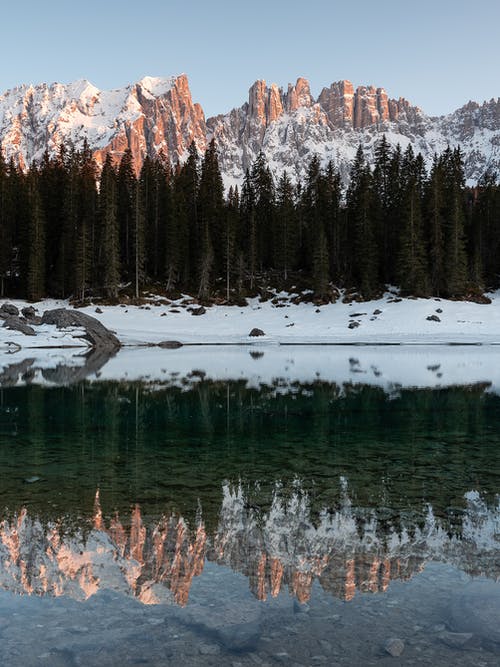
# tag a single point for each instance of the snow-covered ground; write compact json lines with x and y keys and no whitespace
{"x":398,"y":322}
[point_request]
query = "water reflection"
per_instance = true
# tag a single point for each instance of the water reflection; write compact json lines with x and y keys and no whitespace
{"x":346,"y":551}
{"x":306,"y":507}
{"x":53,"y":369}
{"x":390,"y":368}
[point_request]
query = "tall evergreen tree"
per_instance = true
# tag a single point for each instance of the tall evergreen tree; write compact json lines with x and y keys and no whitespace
{"x":5,"y":227}
{"x":285,"y":230}
{"x":435,"y":227}
{"x":211,"y":211}
{"x":249,"y":240}
{"x":126,"y":212}
{"x":321,"y":263}
{"x":35,"y":277}
{"x":382,"y":192}
{"x":263,"y":188}
{"x":230,"y":236}
{"x":456,"y":275}
{"x":411,"y":264}
{"x":85,"y":244}
{"x":109,"y":245}
{"x":138,"y":240}
{"x":364,"y":240}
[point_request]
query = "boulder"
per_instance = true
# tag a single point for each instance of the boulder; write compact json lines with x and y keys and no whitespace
{"x":95,"y":332}
{"x":256,"y":332}
{"x":7,"y":309}
{"x":198,"y":311}
{"x":17,"y":324}
{"x":433,"y":318}
{"x":170,"y":344}
{"x":29,"y":312}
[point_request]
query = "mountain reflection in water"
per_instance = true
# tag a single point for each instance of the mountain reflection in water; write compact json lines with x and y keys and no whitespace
{"x":283,"y":548}
{"x":350,"y":480}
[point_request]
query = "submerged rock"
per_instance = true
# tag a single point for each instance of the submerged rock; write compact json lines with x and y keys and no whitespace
{"x":477,"y":611}
{"x":95,"y":332}
{"x":456,"y":639}
{"x":394,"y":646}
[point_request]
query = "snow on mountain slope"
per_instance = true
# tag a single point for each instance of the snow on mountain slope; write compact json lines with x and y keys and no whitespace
{"x":150,"y":116}
{"x":157,"y":116}
{"x":291,"y":127}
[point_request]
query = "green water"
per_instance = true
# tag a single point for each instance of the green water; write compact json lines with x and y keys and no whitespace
{"x":256,"y":522}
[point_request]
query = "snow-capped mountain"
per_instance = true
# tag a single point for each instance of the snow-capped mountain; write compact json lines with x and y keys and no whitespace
{"x":158,"y":115}
{"x":151,"y":116}
{"x":290,"y":127}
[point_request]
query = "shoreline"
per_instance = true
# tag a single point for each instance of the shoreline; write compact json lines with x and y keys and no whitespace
{"x":387,"y":321}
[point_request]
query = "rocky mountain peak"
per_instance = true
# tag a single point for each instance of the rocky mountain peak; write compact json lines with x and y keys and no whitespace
{"x":157,"y":116}
{"x":299,"y":95}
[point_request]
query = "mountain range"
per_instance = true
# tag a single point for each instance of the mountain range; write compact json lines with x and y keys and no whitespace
{"x":157,"y":116}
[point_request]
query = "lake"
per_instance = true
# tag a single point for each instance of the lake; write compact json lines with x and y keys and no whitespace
{"x":263,"y":506}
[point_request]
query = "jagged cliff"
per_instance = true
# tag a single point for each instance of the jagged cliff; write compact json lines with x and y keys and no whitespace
{"x":152,"y":116}
{"x":158,"y":116}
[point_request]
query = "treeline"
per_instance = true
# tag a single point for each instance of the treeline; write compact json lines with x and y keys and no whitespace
{"x":64,"y":232}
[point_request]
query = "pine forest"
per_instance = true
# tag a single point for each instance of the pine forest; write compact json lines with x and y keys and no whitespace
{"x":67,"y":231}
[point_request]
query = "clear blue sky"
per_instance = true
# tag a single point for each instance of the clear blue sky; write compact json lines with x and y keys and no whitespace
{"x":437,"y":53}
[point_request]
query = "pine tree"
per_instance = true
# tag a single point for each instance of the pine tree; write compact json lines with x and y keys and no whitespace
{"x":5,"y":227}
{"x":126,"y":211}
{"x":435,"y":227}
{"x":285,"y":241}
{"x":249,"y":239}
{"x":485,"y":241}
{"x":231,"y":234}
{"x":20,"y":212}
{"x":186,"y":186}
{"x":381,"y":200}
{"x":85,"y":246}
{"x":320,"y":266}
{"x":138,"y":239}
{"x":310,"y":215}
{"x":177,"y":253}
{"x":109,"y":245}
{"x":211,"y":212}
{"x":35,"y":277}
{"x":53,"y":186}
{"x":454,"y":218}
{"x":330,"y":210}
{"x":263,"y":189}
{"x":411,"y":265}
{"x":364,"y":241}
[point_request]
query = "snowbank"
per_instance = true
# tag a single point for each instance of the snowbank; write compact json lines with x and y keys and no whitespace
{"x":398,"y":322}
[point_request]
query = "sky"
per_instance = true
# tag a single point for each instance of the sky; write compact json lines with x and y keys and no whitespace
{"x":437,"y":53}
